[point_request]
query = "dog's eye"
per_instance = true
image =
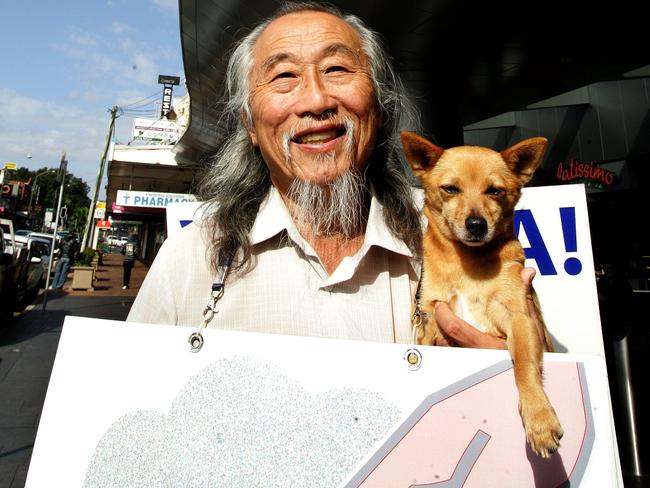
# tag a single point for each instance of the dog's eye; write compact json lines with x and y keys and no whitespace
{"x":451,"y":189}
{"x":494,"y":191}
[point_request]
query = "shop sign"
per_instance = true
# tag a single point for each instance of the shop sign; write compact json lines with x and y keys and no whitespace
{"x":168,"y":83}
{"x":103,"y":224}
{"x":155,"y":130}
{"x":592,"y":175}
{"x":169,"y":80}
{"x":167,"y":101}
{"x":100,"y":210}
{"x":148,"y":199}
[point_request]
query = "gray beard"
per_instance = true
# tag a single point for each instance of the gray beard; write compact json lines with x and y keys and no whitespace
{"x":337,"y":208}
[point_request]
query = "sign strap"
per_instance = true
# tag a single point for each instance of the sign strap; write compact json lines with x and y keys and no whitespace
{"x":416,"y":318}
{"x":225,"y":261}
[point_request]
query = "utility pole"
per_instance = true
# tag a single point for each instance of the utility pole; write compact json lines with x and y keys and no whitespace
{"x":91,"y":210}
{"x":63,"y":166}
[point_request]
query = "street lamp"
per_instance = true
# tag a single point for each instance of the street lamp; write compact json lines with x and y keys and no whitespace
{"x":31,"y":193}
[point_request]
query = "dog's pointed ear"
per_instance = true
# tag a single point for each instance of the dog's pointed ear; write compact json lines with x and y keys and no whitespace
{"x":421,"y":153}
{"x":524,"y":157}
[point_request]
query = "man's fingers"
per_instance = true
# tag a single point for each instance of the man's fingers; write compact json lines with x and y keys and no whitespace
{"x":527,"y":275}
{"x":462,"y":333}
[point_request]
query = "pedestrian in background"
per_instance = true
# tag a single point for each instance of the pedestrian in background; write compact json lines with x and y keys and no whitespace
{"x":68,"y":248}
{"x":130,"y":251}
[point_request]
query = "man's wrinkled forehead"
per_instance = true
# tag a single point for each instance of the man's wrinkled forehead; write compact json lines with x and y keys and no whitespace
{"x":295,"y":35}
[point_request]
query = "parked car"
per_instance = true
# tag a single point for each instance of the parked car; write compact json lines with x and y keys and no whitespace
{"x":30,"y":256}
{"x":116,"y":241}
{"x":7,"y":270}
{"x":33,"y":259}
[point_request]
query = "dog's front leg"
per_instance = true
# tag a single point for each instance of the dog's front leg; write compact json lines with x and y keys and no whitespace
{"x":542,"y":426}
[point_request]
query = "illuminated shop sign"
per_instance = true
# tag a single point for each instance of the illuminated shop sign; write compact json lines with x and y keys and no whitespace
{"x":590,"y":174}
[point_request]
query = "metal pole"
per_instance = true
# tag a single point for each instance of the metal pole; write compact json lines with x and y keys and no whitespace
{"x":31,"y":194}
{"x":62,"y":167}
{"x":100,"y":173}
{"x":35,"y":186}
{"x":622,"y":358}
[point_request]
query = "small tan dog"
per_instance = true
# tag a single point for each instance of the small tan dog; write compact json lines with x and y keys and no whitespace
{"x":473,"y":260}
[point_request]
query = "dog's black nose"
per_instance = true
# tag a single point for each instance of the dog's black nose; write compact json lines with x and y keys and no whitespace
{"x":477,"y":226}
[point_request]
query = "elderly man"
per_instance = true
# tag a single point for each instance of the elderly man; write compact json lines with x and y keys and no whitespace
{"x":308,"y":193}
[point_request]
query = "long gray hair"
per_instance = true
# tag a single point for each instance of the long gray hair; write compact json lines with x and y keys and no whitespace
{"x":238,"y":180}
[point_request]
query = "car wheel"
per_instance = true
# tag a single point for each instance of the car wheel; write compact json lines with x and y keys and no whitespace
{"x":7,"y":304}
{"x":20,"y":295}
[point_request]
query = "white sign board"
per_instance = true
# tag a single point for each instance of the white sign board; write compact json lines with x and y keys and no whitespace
{"x":553,"y":225}
{"x":148,"y":199}
{"x":156,"y":129}
{"x":130,"y":405}
{"x":181,"y":214}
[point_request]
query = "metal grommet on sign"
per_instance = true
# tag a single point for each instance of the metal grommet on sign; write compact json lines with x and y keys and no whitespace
{"x":413,"y":359}
{"x":196,"y":341}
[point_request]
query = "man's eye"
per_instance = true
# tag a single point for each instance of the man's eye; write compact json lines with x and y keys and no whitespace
{"x":337,"y":69}
{"x":284,"y":75}
{"x":450,"y":189}
{"x":494,"y":191}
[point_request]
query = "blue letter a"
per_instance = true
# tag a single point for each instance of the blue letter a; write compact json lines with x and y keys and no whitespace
{"x":537,"y":249}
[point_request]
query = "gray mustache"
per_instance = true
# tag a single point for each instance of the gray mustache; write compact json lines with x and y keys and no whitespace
{"x":309,"y":123}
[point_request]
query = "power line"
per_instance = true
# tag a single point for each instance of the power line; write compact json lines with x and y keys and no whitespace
{"x":157,"y":94}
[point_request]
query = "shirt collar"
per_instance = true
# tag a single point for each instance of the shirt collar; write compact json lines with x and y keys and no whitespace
{"x":273,"y":217}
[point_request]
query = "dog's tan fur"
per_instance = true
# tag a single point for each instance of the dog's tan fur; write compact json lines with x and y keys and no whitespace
{"x":473,"y":260}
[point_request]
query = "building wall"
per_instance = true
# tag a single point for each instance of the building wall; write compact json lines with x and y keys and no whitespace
{"x":602,"y":122}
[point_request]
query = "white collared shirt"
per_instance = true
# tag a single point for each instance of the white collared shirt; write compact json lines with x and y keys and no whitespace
{"x":368,"y":296}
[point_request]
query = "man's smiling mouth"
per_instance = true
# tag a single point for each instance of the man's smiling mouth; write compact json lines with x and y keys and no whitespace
{"x":320,"y":137}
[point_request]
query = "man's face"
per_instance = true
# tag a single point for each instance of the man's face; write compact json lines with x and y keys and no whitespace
{"x":312,"y":100}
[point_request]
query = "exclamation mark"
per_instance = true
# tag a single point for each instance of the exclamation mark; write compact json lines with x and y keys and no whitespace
{"x":572,"y":266}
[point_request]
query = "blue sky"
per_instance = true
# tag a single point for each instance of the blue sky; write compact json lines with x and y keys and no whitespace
{"x":63,"y":66}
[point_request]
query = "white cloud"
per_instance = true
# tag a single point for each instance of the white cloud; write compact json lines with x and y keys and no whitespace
{"x":85,"y":95}
{"x":83,"y":38}
{"x":15,"y":105}
{"x":119,"y":27}
{"x":119,"y":61}
{"x":167,"y":4}
{"x":44,"y":129}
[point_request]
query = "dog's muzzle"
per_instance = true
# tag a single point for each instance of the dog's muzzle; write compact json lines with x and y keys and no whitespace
{"x":476,"y":226}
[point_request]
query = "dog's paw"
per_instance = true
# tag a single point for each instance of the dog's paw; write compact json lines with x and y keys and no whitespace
{"x":543,"y":429}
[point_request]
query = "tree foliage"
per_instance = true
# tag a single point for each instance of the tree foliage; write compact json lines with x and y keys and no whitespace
{"x":75,"y":193}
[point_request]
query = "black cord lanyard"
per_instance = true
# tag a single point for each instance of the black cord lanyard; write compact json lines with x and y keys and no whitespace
{"x":218,"y":287}
{"x":416,"y":318}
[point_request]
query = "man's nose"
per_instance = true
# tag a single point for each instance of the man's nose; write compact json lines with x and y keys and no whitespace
{"x":314,"y":97}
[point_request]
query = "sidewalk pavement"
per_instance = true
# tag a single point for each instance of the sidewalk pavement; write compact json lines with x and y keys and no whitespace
{"x":27,"y":349}
{"x":108,"y":279}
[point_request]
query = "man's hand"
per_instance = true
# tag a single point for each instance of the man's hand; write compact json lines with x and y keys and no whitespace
{"x":463,"y":334}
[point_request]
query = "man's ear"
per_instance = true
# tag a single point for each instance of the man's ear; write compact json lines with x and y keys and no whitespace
{"x":524,"y":157}
{"x":249,"y":127}
{"x":421,"y":153}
